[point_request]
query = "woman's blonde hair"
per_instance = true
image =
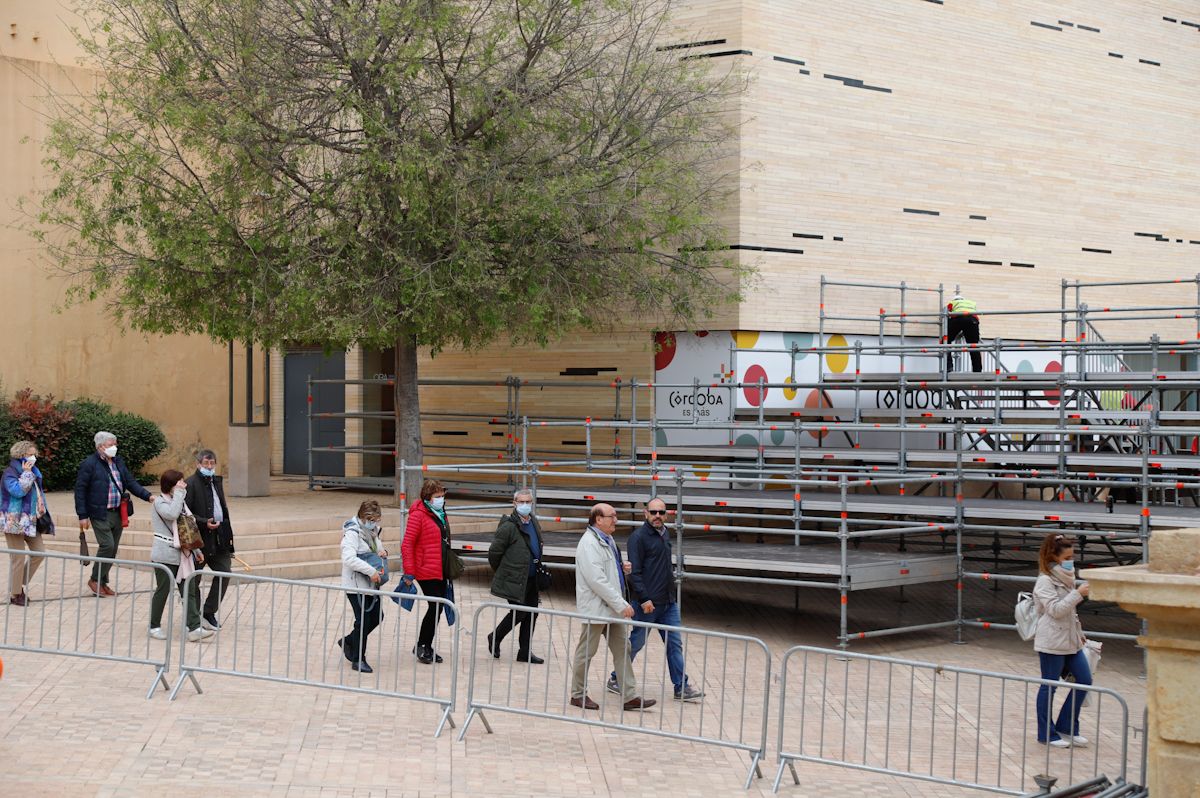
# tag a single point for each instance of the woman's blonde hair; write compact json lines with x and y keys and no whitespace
{"x":19,"y":449}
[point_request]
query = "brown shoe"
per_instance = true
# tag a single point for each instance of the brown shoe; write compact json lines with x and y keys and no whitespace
{"x":639,"y":703}
{"x":19,"y":599}
{"x":108,"y":591}
{"x":95,"y":588}
{"x":586,"y":703}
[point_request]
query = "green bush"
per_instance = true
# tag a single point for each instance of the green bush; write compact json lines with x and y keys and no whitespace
{"x":139,"y":440}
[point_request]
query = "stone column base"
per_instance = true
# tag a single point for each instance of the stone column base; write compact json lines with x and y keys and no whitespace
{"x":249,"y":462}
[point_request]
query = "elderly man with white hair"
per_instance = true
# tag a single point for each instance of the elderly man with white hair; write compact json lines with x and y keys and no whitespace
{"x":516,"y":557}
{"x":100,"y":489}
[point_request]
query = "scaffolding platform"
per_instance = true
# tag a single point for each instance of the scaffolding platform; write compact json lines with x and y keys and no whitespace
{"x":864,"y":569}
{"x":1125,"y":517}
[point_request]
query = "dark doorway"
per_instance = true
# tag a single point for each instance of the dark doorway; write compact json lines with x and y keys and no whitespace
{"x":298,"y":366}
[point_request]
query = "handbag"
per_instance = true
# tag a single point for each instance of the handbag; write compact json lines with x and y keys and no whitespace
{"x":83,"y":548}
{"x":1026,"y":615}
{"x":44,"y":524}
{"x":542,"y":576}
{"x":190,"y":538}
{"x":126,"y":505}
{"x":452,"y":564}
{"x":378,"y":563}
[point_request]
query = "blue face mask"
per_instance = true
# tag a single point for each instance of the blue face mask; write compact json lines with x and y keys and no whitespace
{"x":208,"y":472}
{"x":437,"y":502}
{"x":1068,"y":565}
{"x":525,"y":509}
{"x":370,"y":526}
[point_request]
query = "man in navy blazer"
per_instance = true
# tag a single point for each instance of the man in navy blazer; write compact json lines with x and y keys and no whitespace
{"x":100,"y":485}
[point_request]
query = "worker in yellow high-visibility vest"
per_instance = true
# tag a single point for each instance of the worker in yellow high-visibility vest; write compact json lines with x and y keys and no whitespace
{"x":964,"y":321}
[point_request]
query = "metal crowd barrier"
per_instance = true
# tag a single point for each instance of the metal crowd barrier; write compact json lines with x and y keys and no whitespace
{"x":289,"y":631}
{"x":938,"y":723}
{"x":64,"y":617}
{"x":734,"y":672}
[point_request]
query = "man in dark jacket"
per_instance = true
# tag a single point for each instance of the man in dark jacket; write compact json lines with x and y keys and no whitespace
{"x":515,"y":553}
{"x":100,"y":486}
{"x":206,"y":499}
{"x":652,"y":589}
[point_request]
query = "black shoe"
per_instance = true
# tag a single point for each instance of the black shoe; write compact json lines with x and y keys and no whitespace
{"x":361,"y":666}
{"x":424,"y":655}
{"x":532,"y":659}
{"x":495,"y":652}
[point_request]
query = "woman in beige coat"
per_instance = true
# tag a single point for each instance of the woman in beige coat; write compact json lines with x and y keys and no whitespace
{"x":1059,"y":640}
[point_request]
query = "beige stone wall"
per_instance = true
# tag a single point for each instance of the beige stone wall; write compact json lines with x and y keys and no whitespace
{"x":1059,"y":144}
{"x":80,"y":352}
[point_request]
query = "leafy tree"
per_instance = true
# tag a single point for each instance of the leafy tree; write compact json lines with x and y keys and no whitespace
{"x":392,"y":172}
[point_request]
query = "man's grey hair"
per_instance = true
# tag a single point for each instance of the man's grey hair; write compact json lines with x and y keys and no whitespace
{"x":522,"y":492}
{"x":102,"y":438}
{"x":205,"y":453}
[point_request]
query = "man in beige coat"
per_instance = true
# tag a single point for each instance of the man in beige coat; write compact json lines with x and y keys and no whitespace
{"x":600,"y":592}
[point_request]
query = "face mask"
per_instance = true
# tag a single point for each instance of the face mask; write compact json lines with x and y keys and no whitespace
{"x":437,"y":502}
{"x":110,"y":452}
{"x":370,"y":526}
{"x":525,"y":509}
{"x":1068,"y":565}
{"x":31,"y":459}
{"x":208,"y":472}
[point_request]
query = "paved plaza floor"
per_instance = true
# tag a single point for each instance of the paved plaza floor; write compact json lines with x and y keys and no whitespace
{"x":80,"y":727}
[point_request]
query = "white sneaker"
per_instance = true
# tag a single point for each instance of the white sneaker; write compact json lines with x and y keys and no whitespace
{"x":1079,"y":740}
{"x":1061,"y":742}
{"x":198,"y":634}
{"x":157,"y":633}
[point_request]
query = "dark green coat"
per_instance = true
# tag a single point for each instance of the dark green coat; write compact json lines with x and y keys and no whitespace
{"x":510,"y":557}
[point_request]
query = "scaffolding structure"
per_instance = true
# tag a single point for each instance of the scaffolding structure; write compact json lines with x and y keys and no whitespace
{"x":1106,"y":445}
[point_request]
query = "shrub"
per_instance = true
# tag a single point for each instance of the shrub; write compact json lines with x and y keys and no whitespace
{"x":43,"y":421}
{"x":140,"y":440}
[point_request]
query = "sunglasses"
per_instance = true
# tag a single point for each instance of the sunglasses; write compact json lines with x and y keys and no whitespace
{"x":657,"y":512}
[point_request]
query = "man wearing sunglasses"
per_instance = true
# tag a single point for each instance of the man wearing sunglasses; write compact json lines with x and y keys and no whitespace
{"x":652,"y":583}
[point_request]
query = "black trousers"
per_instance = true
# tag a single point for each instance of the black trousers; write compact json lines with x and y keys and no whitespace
{"x":222,"y":562}
{"x":433,"y":588}
{"x":967,"y":327}
{"x":525,"y":620}
{"x":367,"y":615}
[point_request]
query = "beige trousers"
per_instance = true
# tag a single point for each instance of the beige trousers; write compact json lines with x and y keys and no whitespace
{"x":21,"y":567}
{"x":618,"y":646}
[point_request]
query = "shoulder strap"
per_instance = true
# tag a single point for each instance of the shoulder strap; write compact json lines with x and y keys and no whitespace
{"x":111,"y":478}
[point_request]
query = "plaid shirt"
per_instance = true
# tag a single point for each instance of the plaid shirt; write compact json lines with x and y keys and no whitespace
{"x":114,"y":486}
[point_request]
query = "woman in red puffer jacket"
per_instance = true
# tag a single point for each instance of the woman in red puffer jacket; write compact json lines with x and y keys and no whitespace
{"x":421,"y":555}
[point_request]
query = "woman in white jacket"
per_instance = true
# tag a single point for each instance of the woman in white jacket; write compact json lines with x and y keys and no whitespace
{"x":360,"y":535}
{"x":1059,"y":640}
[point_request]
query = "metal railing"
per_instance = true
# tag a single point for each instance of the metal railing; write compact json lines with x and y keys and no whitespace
{"x":63,"y":616}
{"x":733,"y":672}
{"x":938,"y":723}
{"x":290,"y":631}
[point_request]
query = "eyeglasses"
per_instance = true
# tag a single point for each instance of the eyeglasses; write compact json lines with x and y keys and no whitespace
{"x":657,"y":512}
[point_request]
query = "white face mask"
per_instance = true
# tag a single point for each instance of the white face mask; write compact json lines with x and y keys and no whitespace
{"x":110,"y":452}
{"x":437,"y":502}
{"x":31,"y":459}
{"x":524,"y":509}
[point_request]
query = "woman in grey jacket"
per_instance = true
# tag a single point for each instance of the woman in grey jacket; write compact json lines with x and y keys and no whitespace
{"x":1059,"y":640}
{"x":360,"y":538}
{"x":165,"y":550}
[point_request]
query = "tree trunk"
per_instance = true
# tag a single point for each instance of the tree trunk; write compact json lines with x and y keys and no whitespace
{"x":408,"y":416}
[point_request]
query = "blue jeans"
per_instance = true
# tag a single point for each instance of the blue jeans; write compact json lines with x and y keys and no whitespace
{"x":667,"y":615}
{"x":1057,"y":666}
